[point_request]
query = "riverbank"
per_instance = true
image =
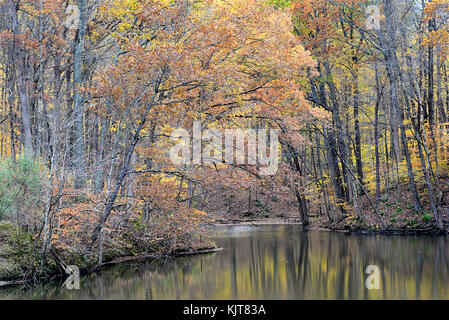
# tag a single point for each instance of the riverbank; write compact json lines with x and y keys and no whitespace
{"x":292,"y":261}
{"x":235,"y":220}
{"x":347,"y":224}
{"x":323,"y":225}
{"x":21,"y":261}
{"x":390,"y":218}
{"x":392,"y":213}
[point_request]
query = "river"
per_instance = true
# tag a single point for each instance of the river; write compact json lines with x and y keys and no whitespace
{"x":275,"y":262}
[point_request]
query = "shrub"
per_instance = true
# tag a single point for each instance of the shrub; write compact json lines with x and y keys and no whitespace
{"x":21,"y":188}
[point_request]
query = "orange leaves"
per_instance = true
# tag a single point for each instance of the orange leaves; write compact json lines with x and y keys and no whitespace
{"x":437,"y":11}
{"x":207,"y":49}
{"x":226,"y":63}
{"x":77,"y":213}
{"x":321,"y":23}
{"x":217,"y":56}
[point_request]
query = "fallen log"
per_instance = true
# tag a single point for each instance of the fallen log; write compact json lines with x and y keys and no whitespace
{"x":150,"y":256}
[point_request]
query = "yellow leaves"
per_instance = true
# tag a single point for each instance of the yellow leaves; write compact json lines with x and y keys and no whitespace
{"x":116,"y":126}
{"x":439,"y":38}
{"x":197,"y":212}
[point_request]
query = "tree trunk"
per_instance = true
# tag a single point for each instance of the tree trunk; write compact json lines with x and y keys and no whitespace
{"x":358,"y":147}
{"x":98,"y":231}
{"x":376,"y":133}
{"x":393,"y":71}
{"x":78,"y":108}
{"x":19,"y":62}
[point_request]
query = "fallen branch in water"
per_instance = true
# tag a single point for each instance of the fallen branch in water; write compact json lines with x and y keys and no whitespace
{"x":150,"y":256}
{"x":185,"y":253}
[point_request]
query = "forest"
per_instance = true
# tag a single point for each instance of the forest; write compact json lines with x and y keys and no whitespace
{"x":99,"y":97}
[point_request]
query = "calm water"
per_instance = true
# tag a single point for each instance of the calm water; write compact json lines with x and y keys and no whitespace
{"x":275,"y":262}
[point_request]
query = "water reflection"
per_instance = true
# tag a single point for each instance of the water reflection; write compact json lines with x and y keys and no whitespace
{"x":276,"y":262}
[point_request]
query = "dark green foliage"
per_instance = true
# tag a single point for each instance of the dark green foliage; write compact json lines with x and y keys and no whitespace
{"x":21,"y":186}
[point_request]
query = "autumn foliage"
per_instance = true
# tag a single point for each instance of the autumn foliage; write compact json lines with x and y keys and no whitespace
{"x":360,"y":115}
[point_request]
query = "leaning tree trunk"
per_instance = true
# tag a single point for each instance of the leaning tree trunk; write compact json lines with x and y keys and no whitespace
{"x":98,"y":231}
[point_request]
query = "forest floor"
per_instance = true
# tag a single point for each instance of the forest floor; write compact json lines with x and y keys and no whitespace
{"x":396,"y":209}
